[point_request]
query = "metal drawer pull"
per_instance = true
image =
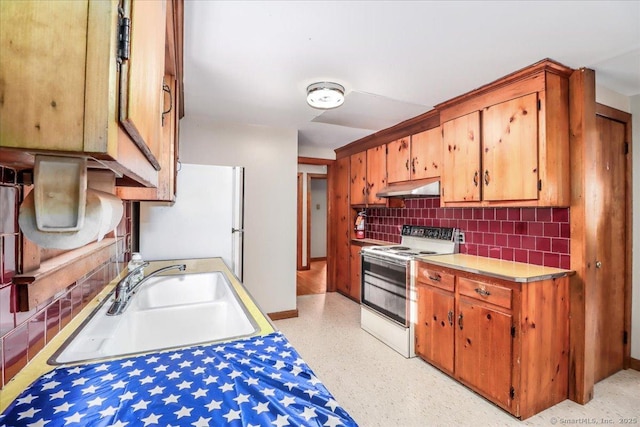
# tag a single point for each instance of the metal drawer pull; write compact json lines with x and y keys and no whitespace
{"x":460,"y":321}
{"x":450,"y":317}
{"x":483,"y":292}
{"x":475,"y":179}
{"x":435,"y":278}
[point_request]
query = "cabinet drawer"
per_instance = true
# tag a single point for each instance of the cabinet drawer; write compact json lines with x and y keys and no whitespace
{"x":435,"y":278}
{"x":483,"y":291}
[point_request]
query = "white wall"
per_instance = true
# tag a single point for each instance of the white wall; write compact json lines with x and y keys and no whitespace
{"x":635,"y":290}
{"x":270,"y":159}
{"x":316,"y":152}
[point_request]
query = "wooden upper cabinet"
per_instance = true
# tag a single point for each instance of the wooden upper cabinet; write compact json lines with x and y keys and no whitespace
{"x":510,"y":150}
{"x":358,"y":178}
{"x":376,"y":174}
{"x":426,"y":154}
{"x":461,"y":159}
{"x":518,"y":130}
{"x":62,"y":98}
{"x":415,"y":157}
{"x":399,"y":160}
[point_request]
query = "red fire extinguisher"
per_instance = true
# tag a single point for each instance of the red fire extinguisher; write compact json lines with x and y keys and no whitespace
{"x":360,"y":221}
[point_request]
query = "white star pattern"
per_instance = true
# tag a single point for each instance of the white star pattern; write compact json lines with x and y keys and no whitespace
{"x":240,"y":384}
{"x":308,"y":413}
{"x":199,"y":393}
{"x":202,"y":422}
{"x":214,"y":404}
{"x":232,"y":415}
{"x":80,"y":381}
{"x":63,"y":408}
{"x":281,"y":420}
{"x":151,"y":419}
{"x":241,"y":398}
{"x":28,"y":414}
{"x":27,"y":399}
{"x":172,"y":398}
{"x":50,"y":385}
{"x":60,"y":394}
{"x":262,"y":407}
{"x":96,"y":402}
{"x":111,"y":410}
{"x":183,"y":412}
{"x":142,"y":404}
{"x":75,"y":418}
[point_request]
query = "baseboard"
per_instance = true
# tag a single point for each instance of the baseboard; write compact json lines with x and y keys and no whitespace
{"x":288,"y":314}
{"x":322,"y":258}
{"x":304,"y":267}
{"x":634,"y":364}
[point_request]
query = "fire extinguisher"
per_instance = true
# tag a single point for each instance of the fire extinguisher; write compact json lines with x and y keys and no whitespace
{"x":360,"y":221}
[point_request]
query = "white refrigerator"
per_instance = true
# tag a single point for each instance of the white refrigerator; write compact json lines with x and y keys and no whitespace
{"x":205,"y":221}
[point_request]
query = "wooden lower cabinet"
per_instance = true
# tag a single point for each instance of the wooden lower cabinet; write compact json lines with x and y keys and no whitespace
{"x":355,"y":266}
{"x":508,"y":341}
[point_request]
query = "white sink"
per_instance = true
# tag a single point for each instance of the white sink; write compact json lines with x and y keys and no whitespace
{"x":166,"y":312}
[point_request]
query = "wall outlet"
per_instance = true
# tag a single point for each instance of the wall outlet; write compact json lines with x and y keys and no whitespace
{"x":461,"y":237}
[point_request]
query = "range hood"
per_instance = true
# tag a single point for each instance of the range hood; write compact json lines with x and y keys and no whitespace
{"x":408,"y":189}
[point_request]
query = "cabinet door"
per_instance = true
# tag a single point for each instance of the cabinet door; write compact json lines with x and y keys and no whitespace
{"x":510,"y":150}
{"x":355,"y":266}
{"x":342,"y":220}
{"x":398,"y":161}
{"x":376,"y":173}
{"x":435,"y":327}
{"x":426,"y":154}
{"x":461,"y":159}
{"x":44,"y":81}
{"x":358,"y":173}
{"x":141,"y":94}
{"x":484,"y":349}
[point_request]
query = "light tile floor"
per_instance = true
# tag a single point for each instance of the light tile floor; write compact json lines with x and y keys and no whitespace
{"x":378,"y":387}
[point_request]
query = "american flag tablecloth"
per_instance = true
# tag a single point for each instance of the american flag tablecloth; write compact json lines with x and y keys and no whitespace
{"x":261,"y":381}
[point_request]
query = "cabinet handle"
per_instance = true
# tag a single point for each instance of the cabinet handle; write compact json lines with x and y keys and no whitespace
{"x":435,"y":278}
{"x":406,"y":165}
{"x":166,"y":88}
{"x":450,"y":317}
{"x":413,"y":165}
{"x":486,"y":177}
{"x":460,"y":321}
{"x":475,"y":179}
{"x":483,"y":292}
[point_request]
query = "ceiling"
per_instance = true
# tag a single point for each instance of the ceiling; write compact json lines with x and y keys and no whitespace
{"x":250,"y":62}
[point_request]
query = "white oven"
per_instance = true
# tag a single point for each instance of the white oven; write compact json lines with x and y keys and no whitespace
{"x":388,"y":298}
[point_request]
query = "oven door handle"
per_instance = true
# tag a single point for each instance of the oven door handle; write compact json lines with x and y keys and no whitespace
{"x":382,"y":260}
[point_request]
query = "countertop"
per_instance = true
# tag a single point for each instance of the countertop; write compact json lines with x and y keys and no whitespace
{"x":39,"y":366}
{"x":373,"y":242}
{"x":501,"y":269}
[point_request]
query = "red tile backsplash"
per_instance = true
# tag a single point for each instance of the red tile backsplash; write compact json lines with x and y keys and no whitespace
{"x":534,"y":235}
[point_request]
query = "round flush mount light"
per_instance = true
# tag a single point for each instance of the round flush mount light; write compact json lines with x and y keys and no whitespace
{"x":325,"y":95}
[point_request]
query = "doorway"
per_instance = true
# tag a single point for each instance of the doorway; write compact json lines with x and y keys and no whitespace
{"x":612,"y":267}
{"x":313,"y":227}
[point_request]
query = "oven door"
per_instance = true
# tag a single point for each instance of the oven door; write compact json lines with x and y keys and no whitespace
{"x":384,"y":287}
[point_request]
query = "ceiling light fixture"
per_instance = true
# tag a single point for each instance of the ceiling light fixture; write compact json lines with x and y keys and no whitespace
{"x":325,"y":95}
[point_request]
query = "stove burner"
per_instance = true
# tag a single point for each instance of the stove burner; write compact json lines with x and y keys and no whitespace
{"x":398,"y":248}
{"x":427,"y":253}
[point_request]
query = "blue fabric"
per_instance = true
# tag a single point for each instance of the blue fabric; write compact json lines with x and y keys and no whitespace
{"x":261,"y":381}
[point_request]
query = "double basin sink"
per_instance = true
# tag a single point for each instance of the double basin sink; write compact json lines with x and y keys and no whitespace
{"x":166,"y":312}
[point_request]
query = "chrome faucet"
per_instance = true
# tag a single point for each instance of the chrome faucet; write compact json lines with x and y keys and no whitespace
{"x":126,"y":288}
